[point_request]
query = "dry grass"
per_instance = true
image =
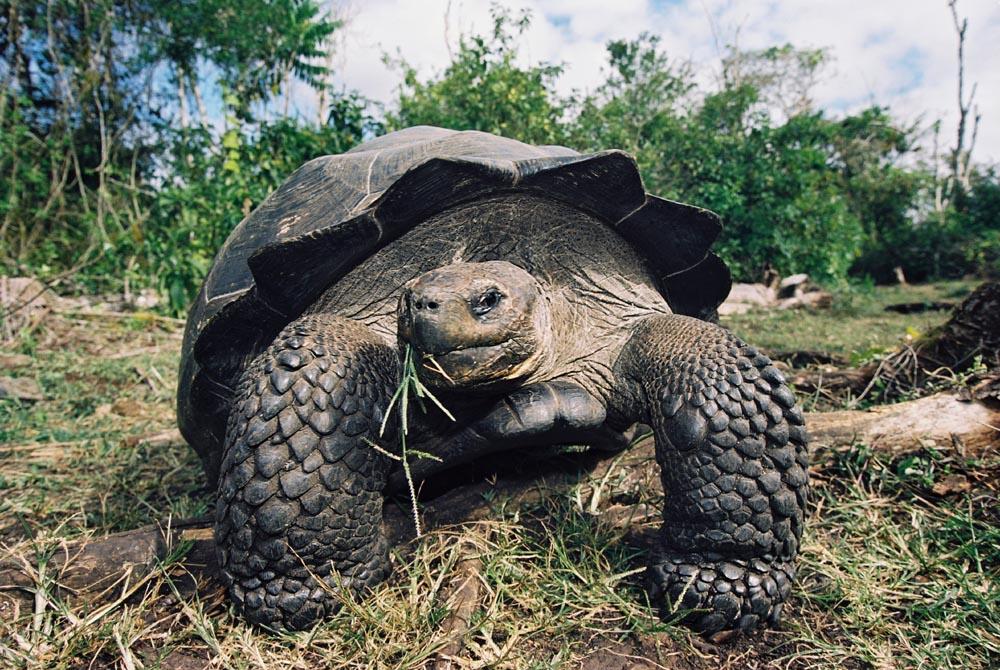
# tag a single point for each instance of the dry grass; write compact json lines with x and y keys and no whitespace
{"x":900,"y":565}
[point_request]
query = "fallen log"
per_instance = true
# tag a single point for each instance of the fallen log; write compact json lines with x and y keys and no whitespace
{"x":944,"y":420}
{"x":92,"y":568}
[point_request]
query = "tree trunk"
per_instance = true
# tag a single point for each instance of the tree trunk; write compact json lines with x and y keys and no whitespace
{"x":196,"y":92}
{"x":182,"y":100}
{"x":972,"y":330}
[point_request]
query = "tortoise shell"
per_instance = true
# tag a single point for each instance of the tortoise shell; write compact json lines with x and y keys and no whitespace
{"x":336,"y":211}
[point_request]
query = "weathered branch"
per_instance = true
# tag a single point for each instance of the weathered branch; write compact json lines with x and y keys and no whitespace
{"x":943,"y":420}
{"x":960,"y":159}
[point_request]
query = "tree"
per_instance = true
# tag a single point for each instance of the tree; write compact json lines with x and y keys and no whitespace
{"x":77,"y":139}
{"x":255,"y":47}
{"x":484,"y":88}
{"x":88,"y":148}
{"x":783,"y":77}
{"x":637,"y":107}
{"x":771,"y":178}
{"x":960,"y":160}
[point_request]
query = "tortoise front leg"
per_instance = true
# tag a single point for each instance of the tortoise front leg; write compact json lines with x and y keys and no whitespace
{"x":540,"y":414}
{"x":299,"y":510}
{"x":731,"y":445}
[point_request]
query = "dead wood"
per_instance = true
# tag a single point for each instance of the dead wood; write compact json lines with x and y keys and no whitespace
{"x":462,"y":599}
{"x":970,"y":337}
{"x":920,"y":307}
{"x":972,"y":330}
{"x":971,"y":428}
{"x":24,"y":304}
{"x":832,"y":381}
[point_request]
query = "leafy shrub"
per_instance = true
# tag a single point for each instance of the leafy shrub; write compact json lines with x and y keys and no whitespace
{"x":213,"y":183}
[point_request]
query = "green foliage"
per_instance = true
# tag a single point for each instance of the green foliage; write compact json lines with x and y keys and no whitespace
{"x":213,"y":183}
{"x":484,"y":88}
{"x":981,"y":224}
{"x":106,"y":178}
{"x":773,"y":187}
{"x":96,"y":186}
{"x":773,"y":184}
{"x":948,"y":244}
{"x":637,"y":109}
{"x":75,"y":142}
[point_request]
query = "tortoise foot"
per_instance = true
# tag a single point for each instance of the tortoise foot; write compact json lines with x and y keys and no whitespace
{"x":301,"y":598}
{"x":731,"y":445}
{"x":713,"y":595}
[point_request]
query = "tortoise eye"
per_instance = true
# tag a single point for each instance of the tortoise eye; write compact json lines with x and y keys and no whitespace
{"x":487,"y":301}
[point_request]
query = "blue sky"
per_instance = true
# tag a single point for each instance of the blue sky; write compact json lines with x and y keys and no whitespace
{"x":900,"y":53}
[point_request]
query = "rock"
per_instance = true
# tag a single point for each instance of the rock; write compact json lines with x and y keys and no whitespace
{"x":22,"y":388}
{"x":797,"y":291}
{"x":128,"y":407}
{"x":817,"y":299}
{"x":146,"y":299}
{"x":744,"y":297}
{"x":792,"y":292}
{"x":793,"y":284}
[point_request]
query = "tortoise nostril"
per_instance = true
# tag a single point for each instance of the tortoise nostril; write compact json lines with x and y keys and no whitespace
{"x":425,"y":304}
{"x":431,"y":304}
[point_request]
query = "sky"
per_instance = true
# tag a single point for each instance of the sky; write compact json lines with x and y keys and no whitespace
{"x":896,"y":53}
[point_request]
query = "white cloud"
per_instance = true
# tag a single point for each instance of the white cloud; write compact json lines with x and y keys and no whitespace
{"x":898,"y":53}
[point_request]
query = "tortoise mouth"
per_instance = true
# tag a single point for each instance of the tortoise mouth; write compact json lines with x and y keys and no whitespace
{"x":473,"y":366}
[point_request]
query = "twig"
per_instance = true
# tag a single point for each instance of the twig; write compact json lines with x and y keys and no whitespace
{"x":146,"y":378}
{"x":463,"y":598}
{"x":133,"y":352}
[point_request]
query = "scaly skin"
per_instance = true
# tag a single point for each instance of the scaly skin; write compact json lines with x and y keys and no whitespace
{"x":732,"y":448}
{"x":300,"y":495}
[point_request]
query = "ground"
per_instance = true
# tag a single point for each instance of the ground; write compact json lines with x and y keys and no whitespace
{"x":900,"y":563}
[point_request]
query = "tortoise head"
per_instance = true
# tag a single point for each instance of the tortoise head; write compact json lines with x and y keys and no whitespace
{"x":475,"y":325}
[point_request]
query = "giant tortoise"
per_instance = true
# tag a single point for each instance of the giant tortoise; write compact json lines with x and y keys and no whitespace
{"x":545,"y":299}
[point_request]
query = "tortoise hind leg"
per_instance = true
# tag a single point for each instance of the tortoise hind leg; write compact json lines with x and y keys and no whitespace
{"x":732,"y":450}
{"x":299,"y":509}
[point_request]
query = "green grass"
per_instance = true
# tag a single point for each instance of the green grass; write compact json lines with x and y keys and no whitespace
{"x":908,"y":573}
{"x":900,"y":564}
{"x":856,"y":328}
{"x":77,"y":460}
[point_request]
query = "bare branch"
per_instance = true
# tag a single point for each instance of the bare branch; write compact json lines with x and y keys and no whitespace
{"x":960,"y":158}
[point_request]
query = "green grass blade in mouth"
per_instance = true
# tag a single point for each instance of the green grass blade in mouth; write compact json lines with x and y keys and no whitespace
{"x":410,"y":383}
